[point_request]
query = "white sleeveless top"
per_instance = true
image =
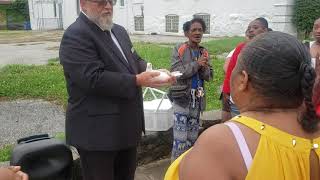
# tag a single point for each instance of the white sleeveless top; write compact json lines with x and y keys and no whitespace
{"x":313,"y":60}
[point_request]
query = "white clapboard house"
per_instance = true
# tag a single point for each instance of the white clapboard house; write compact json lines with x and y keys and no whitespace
{"x":223,"y":18}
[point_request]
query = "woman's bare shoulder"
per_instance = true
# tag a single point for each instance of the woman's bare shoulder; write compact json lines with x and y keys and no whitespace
{"x":212,"y":155}
{"x":219,"y":133}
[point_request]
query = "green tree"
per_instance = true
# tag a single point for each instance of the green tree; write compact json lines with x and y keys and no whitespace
{"x":305,"y":13}
{"x":21,"y":6}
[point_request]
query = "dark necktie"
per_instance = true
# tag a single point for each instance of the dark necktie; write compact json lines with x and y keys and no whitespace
{"x":108,"y":33}
{"x":116,"y":46}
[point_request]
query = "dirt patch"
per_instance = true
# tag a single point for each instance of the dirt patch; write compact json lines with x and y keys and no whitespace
{"x":54,"y":48}
{"x":155,"y":146}
{"x":4,"y":99}
{"x":9,"y":37}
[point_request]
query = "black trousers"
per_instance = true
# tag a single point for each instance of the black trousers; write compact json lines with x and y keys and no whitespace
{"x":108,"y":165}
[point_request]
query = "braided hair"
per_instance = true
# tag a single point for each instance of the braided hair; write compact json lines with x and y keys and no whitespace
{"x":279,"y":69}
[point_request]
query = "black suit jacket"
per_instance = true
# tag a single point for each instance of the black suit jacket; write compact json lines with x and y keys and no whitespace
{"x":105,"y":106}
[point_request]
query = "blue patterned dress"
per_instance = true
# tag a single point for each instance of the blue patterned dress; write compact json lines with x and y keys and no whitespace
{"x":186,"y":120}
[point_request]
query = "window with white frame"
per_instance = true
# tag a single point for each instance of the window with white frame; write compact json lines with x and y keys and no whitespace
{"x":138,"y":23}
{"x":121,"y":2}
{"x":172,"y":23}
{"x":206,"y":19}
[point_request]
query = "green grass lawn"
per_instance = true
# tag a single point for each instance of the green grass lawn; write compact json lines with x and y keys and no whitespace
{"x":222,"y":45}
{"x":47,"y":81}
{"x":5,"y":153}
{"x":33,"y":82}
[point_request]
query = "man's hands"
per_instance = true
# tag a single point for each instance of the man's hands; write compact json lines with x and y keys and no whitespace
{"x":148,"y":79}
{"x":13,"y":173}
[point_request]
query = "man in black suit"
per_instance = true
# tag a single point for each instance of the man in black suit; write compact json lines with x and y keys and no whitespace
{"x":104,"y":75}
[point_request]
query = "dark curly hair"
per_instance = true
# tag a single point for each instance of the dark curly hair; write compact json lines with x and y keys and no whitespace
{"x":280,"y":70}
{"x":187,"y":25}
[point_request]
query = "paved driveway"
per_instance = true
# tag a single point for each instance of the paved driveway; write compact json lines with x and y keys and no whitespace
{"x":29,"y":117}
{"x":28,"y":53}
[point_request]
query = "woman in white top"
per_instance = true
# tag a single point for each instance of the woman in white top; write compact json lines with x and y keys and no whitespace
{"x":315,"y":54}
{"x":315,"y":45}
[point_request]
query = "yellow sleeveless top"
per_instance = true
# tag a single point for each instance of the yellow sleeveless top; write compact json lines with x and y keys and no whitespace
{"x":279,"y":155}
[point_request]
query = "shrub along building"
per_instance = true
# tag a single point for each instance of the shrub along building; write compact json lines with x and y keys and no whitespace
{"x":4,"y":4}
{"x":223,"y":18}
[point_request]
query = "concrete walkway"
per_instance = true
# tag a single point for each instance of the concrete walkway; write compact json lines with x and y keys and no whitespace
{"x":24,"y":118}
{"x":153,"y":171}
{"x":37,"y":53}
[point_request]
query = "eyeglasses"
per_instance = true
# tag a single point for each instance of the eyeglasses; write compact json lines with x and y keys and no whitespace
{"x":104,"y":2}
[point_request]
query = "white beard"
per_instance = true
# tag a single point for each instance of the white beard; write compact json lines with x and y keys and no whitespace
{"x":103,"y":21}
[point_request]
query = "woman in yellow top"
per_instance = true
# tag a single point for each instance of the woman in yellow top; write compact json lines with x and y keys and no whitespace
{"x":276,"y":135}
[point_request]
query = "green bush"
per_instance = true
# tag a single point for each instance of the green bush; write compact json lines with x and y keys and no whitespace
{"x":21,"y":8}
{"x":305,"y":13}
